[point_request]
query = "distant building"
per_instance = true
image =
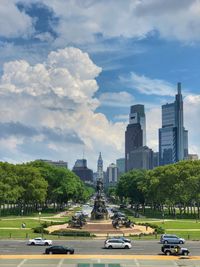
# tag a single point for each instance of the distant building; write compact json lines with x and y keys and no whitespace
{"x":111,"y":175}
{"x":80,"y":169}
{"x":59,"y":163}
{"x":155,"y":159}
{"x":137,"y":154}
{"x":173,"y":138}
{"x":141,"y":158}
{"x":193,"y":157}
{"x":100,"y":167}
{"x":121,"y":165}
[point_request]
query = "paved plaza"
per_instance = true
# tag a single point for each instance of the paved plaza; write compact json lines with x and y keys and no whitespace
{"x":97,"y":261}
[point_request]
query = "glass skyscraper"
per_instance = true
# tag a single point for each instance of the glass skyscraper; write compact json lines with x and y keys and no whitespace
{"x":173,"y":138}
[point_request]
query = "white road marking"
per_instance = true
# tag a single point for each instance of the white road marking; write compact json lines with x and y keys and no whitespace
{"x":60,"y":263}
{"x":136,"y":263}
{"x":21,"y":263}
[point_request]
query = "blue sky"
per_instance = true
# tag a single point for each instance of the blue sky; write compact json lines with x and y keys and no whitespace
{"x":70,"y":69}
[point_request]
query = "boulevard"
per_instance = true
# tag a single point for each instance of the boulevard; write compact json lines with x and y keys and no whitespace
{"x":92,"y":247}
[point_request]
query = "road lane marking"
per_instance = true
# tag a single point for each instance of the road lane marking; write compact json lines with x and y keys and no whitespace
{"x":60,"y":263}
{"x":21,"y":263}
{"x":137,"y":263}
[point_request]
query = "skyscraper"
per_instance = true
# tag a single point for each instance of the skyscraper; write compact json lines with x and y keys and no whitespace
{"x":135,"y":135}
{"x":173,"y":138}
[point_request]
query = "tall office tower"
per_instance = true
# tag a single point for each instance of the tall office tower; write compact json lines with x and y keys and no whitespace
{"x":173,"y":138}
{"x":100,"y":168}
{"x":137,"y":115}
{"x":135,"y":135}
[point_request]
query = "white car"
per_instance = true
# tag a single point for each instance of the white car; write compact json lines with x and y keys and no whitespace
{"x":39,"y":241}
{"x":117,"y":243}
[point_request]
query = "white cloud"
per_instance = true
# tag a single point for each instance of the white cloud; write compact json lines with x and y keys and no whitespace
{"x":80,"y":21}
{"x":14,"y":23}
{"x":148,"y":86}
{"x":56,"y":98}
{"x":120,"y":99}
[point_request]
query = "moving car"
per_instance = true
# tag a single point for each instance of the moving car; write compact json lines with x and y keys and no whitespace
{"x":173,"y":249}
{"x":123,"y":238}
{"x":59,"y":250}
{"x":171,"y":239}
{"x":39,"y":241}
{"x":117,"y":243}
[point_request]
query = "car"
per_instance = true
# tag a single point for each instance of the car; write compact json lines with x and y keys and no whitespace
{"x":171,"y":239}
{"x":173,"y":249}
{"x":39,"y":241}
{"x":116,"y":243}
{"x":123,"y":238}
{"x":59,"y":250}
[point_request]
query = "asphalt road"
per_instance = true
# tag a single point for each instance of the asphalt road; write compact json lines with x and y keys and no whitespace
{"x":19,"y":247}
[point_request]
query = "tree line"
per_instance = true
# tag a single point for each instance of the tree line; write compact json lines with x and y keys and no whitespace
{"x":170,"y":188}
{"x":35,"y":185}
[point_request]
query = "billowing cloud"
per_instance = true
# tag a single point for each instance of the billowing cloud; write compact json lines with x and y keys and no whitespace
{"x":48,"y":110}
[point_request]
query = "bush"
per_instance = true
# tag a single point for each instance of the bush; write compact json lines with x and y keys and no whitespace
{"x":157,"y":229}
{"x":62,"y":232}
{"x":40,"y":230}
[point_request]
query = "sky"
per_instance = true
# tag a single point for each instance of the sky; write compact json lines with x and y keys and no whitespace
{"x":71,"y":69}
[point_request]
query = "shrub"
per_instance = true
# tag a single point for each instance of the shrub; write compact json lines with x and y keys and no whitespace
{"x":62,"y":232}
{"x":40,"y":230}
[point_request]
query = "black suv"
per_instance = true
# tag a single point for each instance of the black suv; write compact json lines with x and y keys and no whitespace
{"x":174,"y":249}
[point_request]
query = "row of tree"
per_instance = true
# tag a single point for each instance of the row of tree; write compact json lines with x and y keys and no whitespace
{"x":175,"y":186}
{"x":38,"y":184}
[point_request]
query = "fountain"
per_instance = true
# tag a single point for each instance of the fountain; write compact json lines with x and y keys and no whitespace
{"x":99,"y":211}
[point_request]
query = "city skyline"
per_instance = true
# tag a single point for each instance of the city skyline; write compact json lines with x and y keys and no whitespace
{"x":69,"y":73}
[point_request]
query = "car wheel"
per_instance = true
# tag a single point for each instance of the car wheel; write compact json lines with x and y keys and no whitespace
{"x":180,"y":242}
{"x":165,"y":242}
{"x":110,"y":247}
{"x":71,"y":252}
{"x":167,"y":253}
{"x":185,"y":253}
{"x":32,"y":243}
{"x":46,"y":244}
{"x":126,"y":247}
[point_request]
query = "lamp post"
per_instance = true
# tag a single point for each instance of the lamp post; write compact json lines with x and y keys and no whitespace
{"x":22,"y":212}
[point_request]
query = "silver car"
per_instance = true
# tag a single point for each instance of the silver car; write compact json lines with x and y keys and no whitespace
{"x":171,"y":239}
{"x":117,"y":243}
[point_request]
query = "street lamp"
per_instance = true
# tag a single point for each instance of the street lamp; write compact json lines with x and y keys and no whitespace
{"x":22,"y":212}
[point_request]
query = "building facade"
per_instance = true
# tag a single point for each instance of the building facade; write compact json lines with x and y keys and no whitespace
{"x":100,"y":174}
{"x":120,"y":163}
{"x":112,"y":175}
{"x":141,"y":158}
{"x":173,"y":138}
{"x":59,"y":163}
{"x":136,"y":151}
{"x":80,"y":169}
